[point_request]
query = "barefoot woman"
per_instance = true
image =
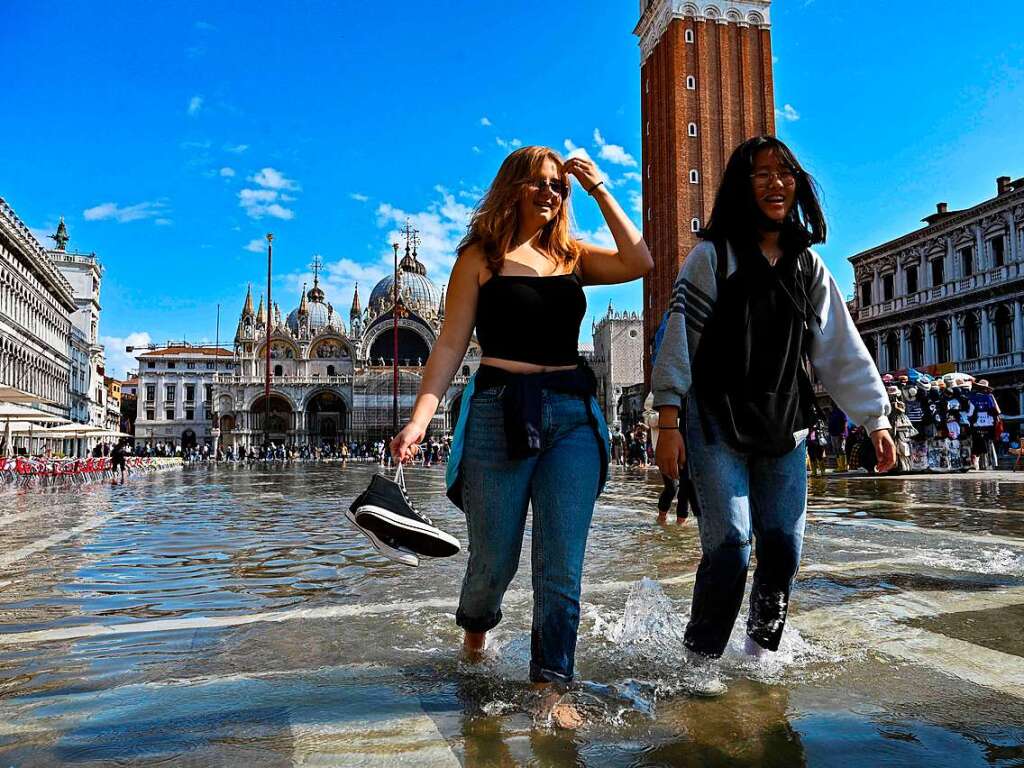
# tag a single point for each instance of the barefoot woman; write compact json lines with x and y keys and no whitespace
{"x":529,"y":431}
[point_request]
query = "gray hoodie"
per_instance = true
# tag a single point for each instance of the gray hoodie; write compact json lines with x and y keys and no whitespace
{"x":840,"y":359}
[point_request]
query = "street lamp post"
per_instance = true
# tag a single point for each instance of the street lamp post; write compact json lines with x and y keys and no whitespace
{"x":266,"y":377}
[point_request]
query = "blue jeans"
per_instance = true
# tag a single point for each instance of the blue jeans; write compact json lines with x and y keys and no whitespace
{"x":741,"y":496}
{"x":560,"y":484}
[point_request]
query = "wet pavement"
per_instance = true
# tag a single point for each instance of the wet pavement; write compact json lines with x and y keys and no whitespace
{"x":221,"y":616}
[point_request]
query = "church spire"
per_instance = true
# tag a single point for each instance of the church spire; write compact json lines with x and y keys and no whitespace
{"x":261,"y":315}
{"x":316,"y":293}
{"x":247,"y":309}
{"x":303,"y":306}
{"x":356,"y":310}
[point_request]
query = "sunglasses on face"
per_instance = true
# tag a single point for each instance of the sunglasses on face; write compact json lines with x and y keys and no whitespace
{"x":558,"y":187}
{"x":764,"y":178}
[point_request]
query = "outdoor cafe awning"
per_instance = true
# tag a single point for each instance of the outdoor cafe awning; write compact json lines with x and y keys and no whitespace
{"x":15,"y":395}
{"x":18,"y":412}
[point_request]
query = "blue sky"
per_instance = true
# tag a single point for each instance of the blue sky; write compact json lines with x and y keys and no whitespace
{"x":173,"y":136}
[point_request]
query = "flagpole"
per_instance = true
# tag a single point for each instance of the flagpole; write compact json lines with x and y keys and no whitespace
{"x":394,"y":362}
{"x":266,"y":377}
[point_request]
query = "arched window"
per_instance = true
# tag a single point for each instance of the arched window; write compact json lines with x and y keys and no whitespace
{"x":942,"y":352}
{"x":278,"y":370}
{"x":1004,"y":330}
{"x":916,"y":346}
{"x":689,"y":36}
{"x":692,"y":129}
{"x":972,"y":337}
{"x":330,"y":370}
{"x":694,"y":176}
{"x":691,"y":83}
{"x":892,"y":351}
{"x":695,"y":225}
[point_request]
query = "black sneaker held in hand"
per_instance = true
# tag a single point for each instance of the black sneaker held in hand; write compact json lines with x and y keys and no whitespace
{"x":383,"y":511}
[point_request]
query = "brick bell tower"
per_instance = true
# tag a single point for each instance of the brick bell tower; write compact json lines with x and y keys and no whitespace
{"x":706,"y":86}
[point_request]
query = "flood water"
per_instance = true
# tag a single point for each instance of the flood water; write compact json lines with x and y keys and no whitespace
{"x":227,"y":616}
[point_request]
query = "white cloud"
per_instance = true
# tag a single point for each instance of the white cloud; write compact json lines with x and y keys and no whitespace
{"x":509,"y":144}
{"x":147,"y":210}
{"x":258,"y":203}
{"x":337,"y":279}
{"x":787,"y":113}
{"x":162,"y":222}
{"x":476,"y":149}
{"x":195,"y":104}
{"x":601,"y":237}
{"x":119,"y":362}
{"x":256,"y":245}
{"x":270,"y":178}
{"x":359,"y":196}
{"x":632,"y":176}
{"x":613,"y":153}
{"x":485,"y":121}
{"x":205,"y":26}
{"x":636,"y":202}
{"x":266,"y":201}
{"x":441,"y":226}
{"x":236,"y":149}
{"x":226,"y":172}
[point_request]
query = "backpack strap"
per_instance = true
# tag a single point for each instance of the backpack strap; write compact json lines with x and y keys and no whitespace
{"x":721,"y":272}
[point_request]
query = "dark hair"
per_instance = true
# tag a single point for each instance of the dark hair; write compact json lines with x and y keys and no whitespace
{"x":736,"y":216}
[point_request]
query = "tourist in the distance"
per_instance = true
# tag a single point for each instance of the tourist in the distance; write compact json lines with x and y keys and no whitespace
{"x":751,"y":303}
{"x":530,"y":431}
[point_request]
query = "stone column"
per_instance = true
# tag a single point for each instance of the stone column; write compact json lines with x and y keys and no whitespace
{"x":986,"y":346}
{"x":929,"y":344}
{"x":1011,"y":235}
{"x":955,"y":339}
{"x":980,"y":261}
{"x":904,"y":347}
{"x":1018,"y":326}
{"x":950,"y":260}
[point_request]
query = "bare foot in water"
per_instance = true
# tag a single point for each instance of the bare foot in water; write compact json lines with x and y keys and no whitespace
{"x":555,"y":708}
{"x":662,"y":517}
{"x":473,"y":646}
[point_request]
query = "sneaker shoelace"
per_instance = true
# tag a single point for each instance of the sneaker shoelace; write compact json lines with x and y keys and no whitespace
{"x":400,"y":482}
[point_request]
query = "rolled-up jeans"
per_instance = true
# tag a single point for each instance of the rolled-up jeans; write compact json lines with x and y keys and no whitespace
{"x":743,"y":499}
{"x":560,"y":484}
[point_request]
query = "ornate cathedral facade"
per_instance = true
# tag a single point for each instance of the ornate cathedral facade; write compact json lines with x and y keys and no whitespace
{"x":332,"y":382}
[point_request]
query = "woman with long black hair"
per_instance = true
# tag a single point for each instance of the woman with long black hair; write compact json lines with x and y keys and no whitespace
{"x":751,"y":306}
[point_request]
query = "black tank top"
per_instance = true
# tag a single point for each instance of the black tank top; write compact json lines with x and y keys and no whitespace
{"x":531,"y":318}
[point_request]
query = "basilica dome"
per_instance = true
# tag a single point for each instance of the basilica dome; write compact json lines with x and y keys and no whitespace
{"x":313,"y":304}
{"x":414,"y":285}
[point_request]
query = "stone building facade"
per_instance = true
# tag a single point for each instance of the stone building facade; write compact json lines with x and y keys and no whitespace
{"x":36,"y":304}
{"x":174,"y":394}
{"x":332,"y":382}
{"x":617,"y":359}
{"x":949,"y":296}
{"x":84,"y":273}
{"x":706,"y":86}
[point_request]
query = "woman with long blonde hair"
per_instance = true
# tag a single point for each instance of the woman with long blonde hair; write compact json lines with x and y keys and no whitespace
{"x":530,"y":432}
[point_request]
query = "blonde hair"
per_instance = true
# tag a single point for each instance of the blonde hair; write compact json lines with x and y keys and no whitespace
{"x":496,"y":219}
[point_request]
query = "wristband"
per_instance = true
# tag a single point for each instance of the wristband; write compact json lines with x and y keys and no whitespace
{"x":591,"y":190}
